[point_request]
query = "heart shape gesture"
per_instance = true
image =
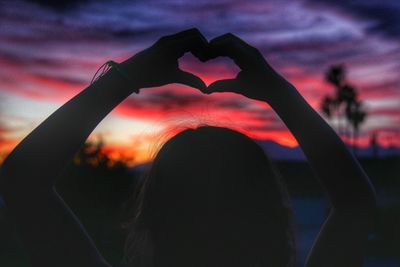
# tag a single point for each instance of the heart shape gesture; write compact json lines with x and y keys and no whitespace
{"x":255,"y":75}
{"x":158,"y":64}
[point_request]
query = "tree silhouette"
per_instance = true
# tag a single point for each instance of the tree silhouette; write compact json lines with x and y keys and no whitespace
{"x":344,"y":105}
{"x":356,"y":115}
{"x":93,"y":154}
{"x":348,"y":97}
{"x":336,"y":76}
{"x":327,"y":106}
{"x":96,"y":187}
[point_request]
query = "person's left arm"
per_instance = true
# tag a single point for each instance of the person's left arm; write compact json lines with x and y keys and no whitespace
{"x":342,"y":239}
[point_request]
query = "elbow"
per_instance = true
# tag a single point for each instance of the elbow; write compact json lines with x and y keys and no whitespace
{"x":366,"y":210}
{"x":11,"y":189}
{"x":365,"y":198}
{"x":21,"y":176}
{"x":362,"y":201}
{"x":369,"y":203}
{"x":10,"y":176}
{"x":6,"y":182}
{"x":357,"y":204}
{"x":364,"y":207}
{"x":369,"y":198}
{"x":362,"y":216}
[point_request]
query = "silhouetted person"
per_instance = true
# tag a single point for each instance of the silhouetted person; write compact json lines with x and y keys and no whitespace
{"x":211,"y":197}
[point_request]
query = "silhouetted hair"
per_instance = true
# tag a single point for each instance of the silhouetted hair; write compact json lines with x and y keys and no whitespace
{"x":211,"y":198}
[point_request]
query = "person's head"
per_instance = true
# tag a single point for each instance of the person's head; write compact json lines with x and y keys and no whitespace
{"x":211,"y":198}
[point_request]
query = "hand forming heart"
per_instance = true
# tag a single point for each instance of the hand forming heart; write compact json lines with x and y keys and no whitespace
{"x":158,"y":64}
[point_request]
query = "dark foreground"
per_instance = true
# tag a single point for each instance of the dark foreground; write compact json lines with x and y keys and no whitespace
{"x":97,"y":195}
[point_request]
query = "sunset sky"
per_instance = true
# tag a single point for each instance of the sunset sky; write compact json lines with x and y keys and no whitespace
{"x":50,"y":50}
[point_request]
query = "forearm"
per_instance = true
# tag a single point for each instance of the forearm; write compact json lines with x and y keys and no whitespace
{"x":336,"y":168}
{"x":39,"y":158}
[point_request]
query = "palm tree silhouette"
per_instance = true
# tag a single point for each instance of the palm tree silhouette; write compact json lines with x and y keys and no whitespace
{"x":336,"y":76}
{"x":356,"y":115}
{"x":327,"y":106}
{"x":344,"y":104}
{"x":348,"y":97}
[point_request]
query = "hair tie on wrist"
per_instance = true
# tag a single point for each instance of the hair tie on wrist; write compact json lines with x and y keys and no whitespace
{"x":112,"y":65}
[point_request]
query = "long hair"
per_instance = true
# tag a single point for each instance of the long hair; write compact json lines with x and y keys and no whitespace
{"x":211,"y":198}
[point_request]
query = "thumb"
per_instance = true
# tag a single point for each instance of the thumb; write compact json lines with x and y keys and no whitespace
{"x":228,"y":85}
{"x":190,"y":79}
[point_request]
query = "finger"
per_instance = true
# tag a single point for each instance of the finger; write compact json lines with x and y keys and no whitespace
{"x":185,"y":33}
{"x":190,"y":79}
{"x":232,"y":46}
{"x":191,"y":40}
{"x":228,"y":85}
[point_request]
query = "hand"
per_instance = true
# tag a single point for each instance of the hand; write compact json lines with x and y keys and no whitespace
{"x":158,"y":64}
{"x":256,"y":80}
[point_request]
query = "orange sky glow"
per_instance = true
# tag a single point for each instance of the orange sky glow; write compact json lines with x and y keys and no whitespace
{"x":40,"y":69}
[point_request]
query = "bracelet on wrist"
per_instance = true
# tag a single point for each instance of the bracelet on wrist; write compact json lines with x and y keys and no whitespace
{"x":113,"y":65}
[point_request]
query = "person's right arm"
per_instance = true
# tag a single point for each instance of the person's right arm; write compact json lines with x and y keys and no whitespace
{"x":52,"y":235}
{"x":343,"y":236}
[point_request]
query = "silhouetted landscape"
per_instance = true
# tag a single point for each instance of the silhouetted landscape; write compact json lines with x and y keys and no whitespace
{"x":99,"y":195}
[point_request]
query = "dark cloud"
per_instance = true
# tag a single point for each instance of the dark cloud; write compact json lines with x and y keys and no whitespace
{"x":383,"y":15}
{"x":59,"y":5}
{"x":148,"y":32}
{"x":17,"y":60}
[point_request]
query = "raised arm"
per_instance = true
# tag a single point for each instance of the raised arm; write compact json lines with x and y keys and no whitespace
{"x":51,"y":234}
{"x":343,"y":236}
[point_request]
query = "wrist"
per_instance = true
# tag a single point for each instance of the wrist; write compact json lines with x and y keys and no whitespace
{"x":130,"y":73}
{"x":118,"y":78}
{"x":273,"y":87}
{"x":283,"y":93}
